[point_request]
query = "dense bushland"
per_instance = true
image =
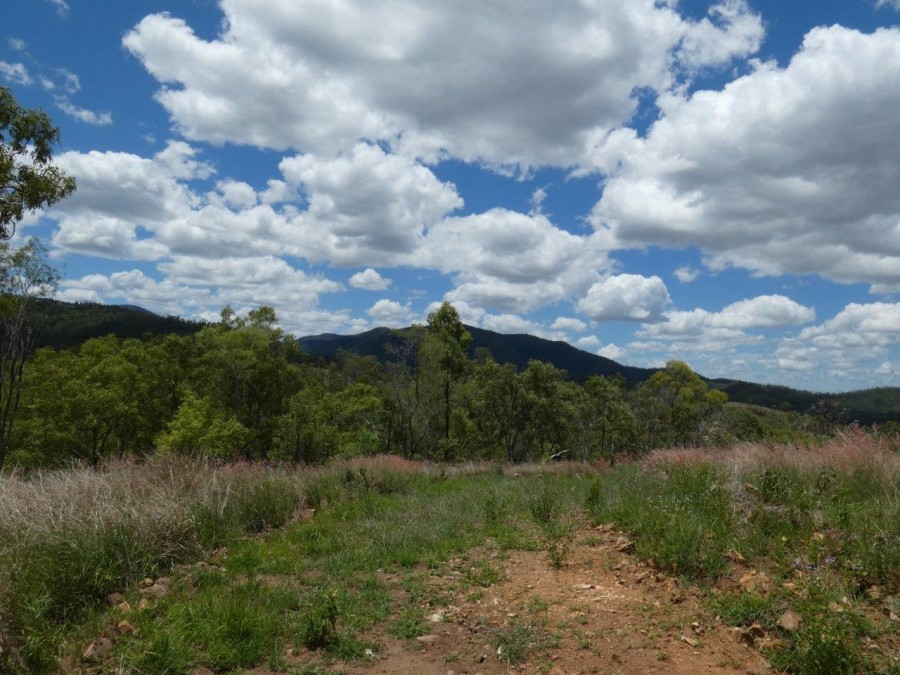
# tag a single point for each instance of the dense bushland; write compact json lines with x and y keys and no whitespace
{"x":242,"y":389}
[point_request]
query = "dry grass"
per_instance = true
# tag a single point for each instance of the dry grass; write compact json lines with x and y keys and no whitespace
{"x":852,"y":450}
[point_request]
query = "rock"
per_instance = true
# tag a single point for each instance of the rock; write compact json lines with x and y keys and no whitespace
{"x":818,"y":536}
{"x":734,"y":556}
{"x":147,"y":582}
{"x":123,"y":607}
{"x":159,"y":588}
{"x":98,"y":649}
{"x":737,"y":635}
{"x":143,"y":604}
{"x":125,"y":628}
{"x":640,"y":577}
{"x":481,"y":658}
{"x":426,"y":639}
{"x":756,"y":631}
{"x":437,"y":617}
{"x":755,"y":581}
{"x":689,"y":641}
{"x":115,"y":599}
{"x":697,"y":628}
{"x":790,"y":621}
{"x":624,"y":545}
{"x":874,"y":592}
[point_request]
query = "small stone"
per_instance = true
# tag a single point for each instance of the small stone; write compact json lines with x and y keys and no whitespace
{"x":874,"y":592}
{"x":123,"y":607}
{"x":697,"y":628}
{"x":737,"y":635}
{"x":755,"y":581}
{"x":734,"y":556}
{"x":437,"y":617}
{"x":115,"y":598}
{"x":689,"y":641}
{"x":640,"y":577}
{"x":481,"y":658}
{"x":756,"y":631}
{"x":143,"y":604}
{"x":125,"y":628}
{"x":146,"y":582}
{"x":426,"y":639}
{"x":98,"y":649}
{"x":790,"y":620}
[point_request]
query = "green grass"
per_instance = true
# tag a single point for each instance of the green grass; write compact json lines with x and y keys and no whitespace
{"x":833,"y":533}
{"x":365,"y":562}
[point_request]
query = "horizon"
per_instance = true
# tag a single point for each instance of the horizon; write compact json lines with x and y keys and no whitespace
{"x":711,"y":182}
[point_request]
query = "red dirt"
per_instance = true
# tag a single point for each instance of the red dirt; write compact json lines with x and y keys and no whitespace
{"x":609,"y":613}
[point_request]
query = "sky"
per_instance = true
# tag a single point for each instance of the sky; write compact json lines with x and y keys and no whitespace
{"x":713,"y":182}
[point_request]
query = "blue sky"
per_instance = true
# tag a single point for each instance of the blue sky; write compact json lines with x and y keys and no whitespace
{"x":715,"y":182}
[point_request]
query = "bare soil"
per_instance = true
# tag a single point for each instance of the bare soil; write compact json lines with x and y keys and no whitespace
{"x":602,"y":612}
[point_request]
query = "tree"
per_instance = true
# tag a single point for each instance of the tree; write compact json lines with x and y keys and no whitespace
{"x":25,"y":275}
{"x":28,"y":178}
{"x":444,"y":349}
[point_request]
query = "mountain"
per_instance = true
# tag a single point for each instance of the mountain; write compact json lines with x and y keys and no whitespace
{"x":69,"y":324}
{"x":868,"y":406}
{"x":516,"y":349}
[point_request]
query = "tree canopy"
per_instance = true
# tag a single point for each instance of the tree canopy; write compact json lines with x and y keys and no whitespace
{"x":28,"y":178}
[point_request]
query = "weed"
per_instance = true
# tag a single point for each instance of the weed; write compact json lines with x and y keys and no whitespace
{"x":409,"y":625}
{"x":318,"y":628}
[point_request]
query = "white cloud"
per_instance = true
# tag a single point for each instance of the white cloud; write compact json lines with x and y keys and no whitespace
{"x":506,"y":81}
{"x":626,"y":297}
{"x":613,"y":351}
{"x":17,"y":44}
{"x":83,"y":114}
{"x":510,"y":324}
{"x":62,"y":7}
{"x":786,"y":170}
{"x":687,"y":275}
{"x":893,"y":4}
{"x":365,"y":207}
{"x":565,"y":323}
{"x":512,"y":262}
{"x":391,"y":314}
{"x":588,"y":342}
{"x":855,"y":340}
{"x":370,"y":280}
{"x":16,"y":73}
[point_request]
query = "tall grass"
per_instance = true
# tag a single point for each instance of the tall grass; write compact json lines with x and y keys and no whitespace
{"x":827,"y":518}
{"x":69,"y":539}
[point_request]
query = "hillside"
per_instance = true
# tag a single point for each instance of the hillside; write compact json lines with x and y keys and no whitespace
{"x":872,"y":406}
{"x":69,"y":324}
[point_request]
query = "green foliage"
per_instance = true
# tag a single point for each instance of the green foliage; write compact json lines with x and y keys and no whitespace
{"x":319,"y":626}
{"x":28,"y":178}
{"x":199,"y":430}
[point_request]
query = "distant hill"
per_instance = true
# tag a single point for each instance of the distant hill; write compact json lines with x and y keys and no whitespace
{"x":66,"y":324}
{"x":867,"y":407}
{"x":69,"y":324}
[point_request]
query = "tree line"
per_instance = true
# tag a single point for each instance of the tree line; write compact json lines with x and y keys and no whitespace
{"x":242,"y":389}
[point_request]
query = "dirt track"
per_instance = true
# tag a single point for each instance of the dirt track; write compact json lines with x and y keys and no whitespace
{"x":604,"y":612}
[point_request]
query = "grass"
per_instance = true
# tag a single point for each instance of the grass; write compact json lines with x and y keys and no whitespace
{"x":823,"y":524}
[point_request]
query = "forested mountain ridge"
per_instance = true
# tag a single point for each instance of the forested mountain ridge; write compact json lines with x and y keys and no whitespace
{"x":869,"y":406}
{"x":62,"y":325}
{"x":67,"y":325}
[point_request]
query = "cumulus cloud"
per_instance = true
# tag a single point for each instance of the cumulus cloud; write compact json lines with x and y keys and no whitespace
{"x":391,"y":314}
{"x":687,"y":275}
{"x":565,"y":323}
{"x":101,"y":119}
{"x":370,"y":280}
{"x":626,"y":297}
{"x":588,"y":342}
{"x":504,"y":82}
{"x":513,"y":262}
{"x":365,"y":207}
{"x":723,"y":330}
{"x":786,"y":170}
{"x":853,"y":342}
{"x":613,"y":351}
{"x":15,"y":73}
